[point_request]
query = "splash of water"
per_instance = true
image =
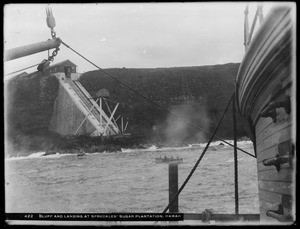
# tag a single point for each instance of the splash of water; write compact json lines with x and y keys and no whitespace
{"x":37,"y":155}
{"x":178,"y":130}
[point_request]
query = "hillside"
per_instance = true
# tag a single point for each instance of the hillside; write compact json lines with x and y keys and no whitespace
{"x":200,"y":94}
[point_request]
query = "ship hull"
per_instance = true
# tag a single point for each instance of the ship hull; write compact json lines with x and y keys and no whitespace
{"x":266,"y":99}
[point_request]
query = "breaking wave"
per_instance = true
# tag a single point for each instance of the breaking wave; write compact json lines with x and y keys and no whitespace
{"x":37,"y":155}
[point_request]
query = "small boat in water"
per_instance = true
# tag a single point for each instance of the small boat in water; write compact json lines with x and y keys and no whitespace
{"x":81,"y":154}
{"x":166,"y":159}
{"x":124,"y":150}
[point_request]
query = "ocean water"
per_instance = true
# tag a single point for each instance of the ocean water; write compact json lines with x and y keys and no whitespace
{"x":130,"y":181}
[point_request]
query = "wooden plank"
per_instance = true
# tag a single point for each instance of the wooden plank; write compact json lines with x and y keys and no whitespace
{"x":273,"y":130}
{"x":282,"y":119}
{"x":266,"y":88}
{"x":285,"y":174}
{"x":276,"y":136}
{"x":262,"y":74}
{"x":287,"y":201}
{"x":265,"y":93}
{"x":262,"y":124}
{"x":267,"y":153}
{"x":270,"y":197}
{"x":276,"y":186}
{"x":283,"y":148}
{"x":266,"y":124}
{"x":271,"y":89}
{"x":271,"y":148}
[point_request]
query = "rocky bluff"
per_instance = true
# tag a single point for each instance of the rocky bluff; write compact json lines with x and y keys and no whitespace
{"x":198,"y":94}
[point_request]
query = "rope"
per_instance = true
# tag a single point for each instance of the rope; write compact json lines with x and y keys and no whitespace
{"x":199,"y":160}
{"x":149,"y":100}
{"x":21,"y":70}
{"x":236,"y":185}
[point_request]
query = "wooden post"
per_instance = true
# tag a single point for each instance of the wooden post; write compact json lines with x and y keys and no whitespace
{"x":122,"y":127}
{"x":173,"y":186}
{"x":173,"y":180}
{"x":100,"y":104}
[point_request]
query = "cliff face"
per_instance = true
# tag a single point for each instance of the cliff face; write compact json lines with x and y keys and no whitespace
{"x":28,"y":111}
{"x":200,"y":94}
{"x":30,"y":102}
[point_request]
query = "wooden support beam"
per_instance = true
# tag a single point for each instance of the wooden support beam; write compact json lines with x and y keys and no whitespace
{"x":110,"y":118}
{"x":27,"y":50}
{"x":118,"y":117}
{"x":100,"y":105}
{"x":173,"y":186}
{"x":125,"y":126}
{"x":122,"y":126}
{"x":84,"y":120}
{"x":110,"y":114}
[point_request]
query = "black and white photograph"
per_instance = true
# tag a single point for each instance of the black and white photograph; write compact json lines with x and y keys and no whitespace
{"x":150,"y":113}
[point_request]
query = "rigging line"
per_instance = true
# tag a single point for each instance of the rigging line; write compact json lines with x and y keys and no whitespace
{"x":199,"y":159}
{"x":149,"y":100}
{"x":21,"y":70}
{"x":236,"y":184}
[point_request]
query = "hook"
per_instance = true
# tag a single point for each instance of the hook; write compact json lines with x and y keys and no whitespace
{"x":43,"y":65}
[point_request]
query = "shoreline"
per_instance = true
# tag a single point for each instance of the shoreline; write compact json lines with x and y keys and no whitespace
{"x":153,"y":148}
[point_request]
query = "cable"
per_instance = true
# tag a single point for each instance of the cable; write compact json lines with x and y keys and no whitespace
{"x":236,"y":184}
{"x":21,"y":70}
{"x":149,"y":100}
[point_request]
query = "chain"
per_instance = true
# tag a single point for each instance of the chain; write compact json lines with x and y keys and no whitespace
{"x":51,"y":25}
{"x":54,"y":53}
{"x":53,"y":34}
{"x":45,"y":63}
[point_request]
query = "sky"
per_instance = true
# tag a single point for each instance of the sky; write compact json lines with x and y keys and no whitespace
{"x":131,"y":35}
